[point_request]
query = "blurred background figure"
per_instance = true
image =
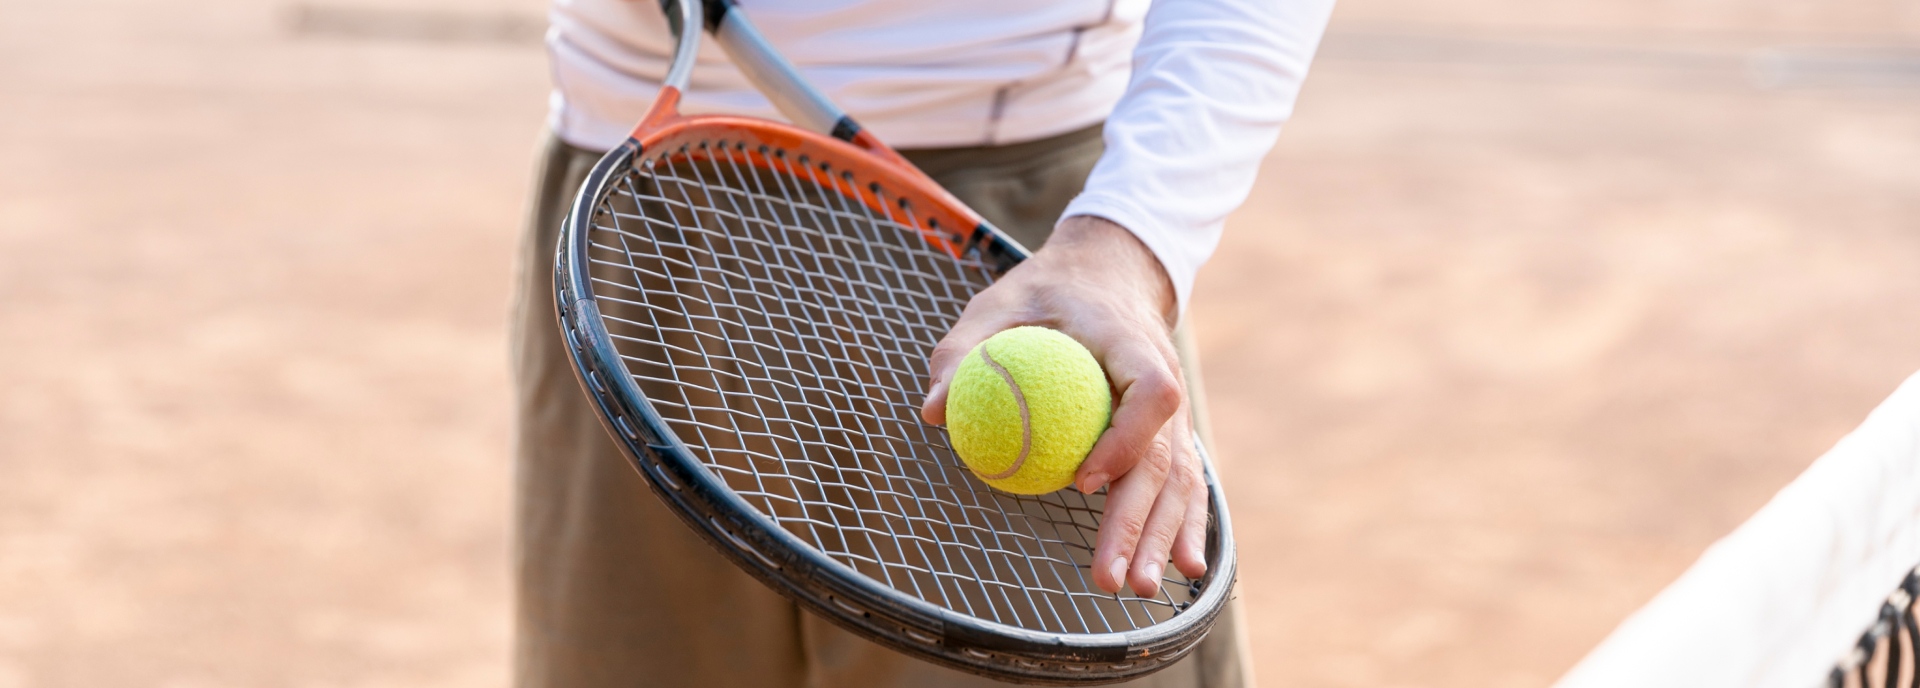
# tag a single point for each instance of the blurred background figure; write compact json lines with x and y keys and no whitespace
{"x":1532,"y":302}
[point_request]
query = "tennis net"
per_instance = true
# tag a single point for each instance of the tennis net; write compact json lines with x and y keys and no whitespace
{"x":1816,"y":589}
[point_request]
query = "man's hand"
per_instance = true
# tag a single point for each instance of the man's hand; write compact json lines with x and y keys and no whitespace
{"x":1097,"y":283}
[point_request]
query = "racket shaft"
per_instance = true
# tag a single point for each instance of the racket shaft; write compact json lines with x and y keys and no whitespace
{"x":682,"y":14}
{"x":777,"y":78}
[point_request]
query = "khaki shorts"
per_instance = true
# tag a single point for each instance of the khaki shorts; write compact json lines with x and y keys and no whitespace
{"x":614,"y":591}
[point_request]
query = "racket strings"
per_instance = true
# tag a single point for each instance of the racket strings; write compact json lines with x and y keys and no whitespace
{"x":890,"y":299}
{"x":868,"y":560}
{"x":830,"y":215}
{"x":1888,"y":654}
{"x":778,"y":314}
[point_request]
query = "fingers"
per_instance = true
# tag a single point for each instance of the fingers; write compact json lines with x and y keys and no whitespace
{"x":1097,"y":283}
{"x":1130,"y":500}
{"x":1150,"y":394}
{"x":1172,"y":511}
{"x":1190,"y":548}
{"x":1136,"y":528}
{"x":1157,"y":511}
{"x":1162,"y":526}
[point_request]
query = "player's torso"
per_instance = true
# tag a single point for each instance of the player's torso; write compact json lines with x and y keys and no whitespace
{"x":921,"y":73}
{"x":882,"y":32}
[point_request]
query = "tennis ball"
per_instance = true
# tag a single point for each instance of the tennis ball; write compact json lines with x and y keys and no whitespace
{"x":1025,"y":407}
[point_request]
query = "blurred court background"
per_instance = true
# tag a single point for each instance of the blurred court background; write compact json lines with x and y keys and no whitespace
{"x":1533,"y":301}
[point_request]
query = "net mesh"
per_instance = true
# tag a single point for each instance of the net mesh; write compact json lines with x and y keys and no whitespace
{"x":778,"y":314}
{"x":1884,"y":657}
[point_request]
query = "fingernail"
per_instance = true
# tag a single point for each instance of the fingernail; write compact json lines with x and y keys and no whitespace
{"x":1092,"y":483}
{"x":1119,"y":570}
{"x":1153,"y":573}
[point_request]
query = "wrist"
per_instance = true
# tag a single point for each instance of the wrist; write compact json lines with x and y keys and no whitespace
{"x":1101,"y":251}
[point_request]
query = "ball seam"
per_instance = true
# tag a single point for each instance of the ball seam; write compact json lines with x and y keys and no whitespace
{"x":1026,"y":418}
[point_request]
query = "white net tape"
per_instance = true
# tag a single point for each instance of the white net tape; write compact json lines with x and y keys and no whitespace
{"x":1788,"y":595}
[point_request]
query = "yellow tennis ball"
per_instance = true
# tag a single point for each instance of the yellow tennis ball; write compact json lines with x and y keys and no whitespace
{"x":1025,"y":407}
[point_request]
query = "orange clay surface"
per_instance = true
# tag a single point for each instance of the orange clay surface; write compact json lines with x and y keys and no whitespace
{"x":1515,"y":325}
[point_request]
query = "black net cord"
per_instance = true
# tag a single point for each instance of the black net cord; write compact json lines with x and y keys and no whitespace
{"x":1887,"y":652}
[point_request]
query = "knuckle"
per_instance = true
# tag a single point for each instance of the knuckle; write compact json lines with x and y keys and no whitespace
{"x":942,"y":353}
{"x":1129,"y":530}
{"x":1159,"y":455}
{"x":1165,"y":531}
{"x":1160,"y":390}
{"x":948,"y":347}
{"x":944,"y":358}
{"x":1181,"y":481}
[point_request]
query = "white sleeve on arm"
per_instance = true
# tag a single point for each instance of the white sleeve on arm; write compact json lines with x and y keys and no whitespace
{"x":1212,"y":82}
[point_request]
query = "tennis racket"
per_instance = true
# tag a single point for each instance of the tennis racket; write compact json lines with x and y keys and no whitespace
{"x":751,"y":304}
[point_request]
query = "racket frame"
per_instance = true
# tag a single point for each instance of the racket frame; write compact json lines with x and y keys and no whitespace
{"x":752,"y":540}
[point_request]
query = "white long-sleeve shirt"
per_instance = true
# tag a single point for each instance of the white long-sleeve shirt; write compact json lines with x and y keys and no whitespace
{"x":1193,"y":92}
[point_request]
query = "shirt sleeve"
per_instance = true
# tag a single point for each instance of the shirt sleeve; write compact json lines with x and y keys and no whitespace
{"x":1212,"y":82}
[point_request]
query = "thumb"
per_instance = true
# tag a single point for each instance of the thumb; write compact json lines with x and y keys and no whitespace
{"x":945,"y":359}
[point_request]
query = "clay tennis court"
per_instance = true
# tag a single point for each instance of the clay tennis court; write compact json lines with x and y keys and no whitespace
{"x":1532,"y":303}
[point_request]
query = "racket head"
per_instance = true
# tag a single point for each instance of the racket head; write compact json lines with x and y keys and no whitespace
{"x":750,"y":306}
